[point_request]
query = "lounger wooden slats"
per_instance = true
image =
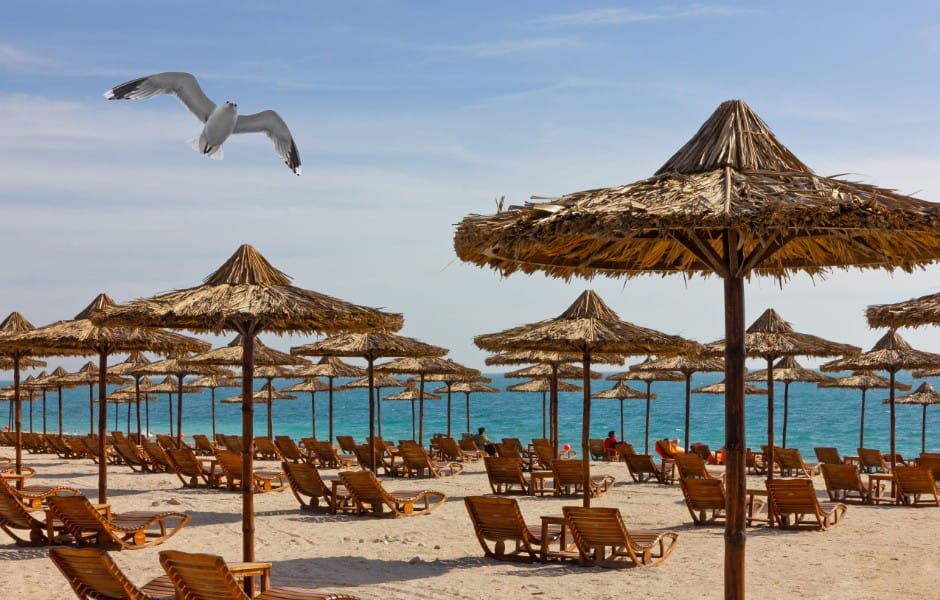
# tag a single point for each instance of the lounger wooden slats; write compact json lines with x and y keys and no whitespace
{"x":329,"y":458}
{"x":505,"y":473}
{"x":194,"y":471}
{"x":208,"y":577}
{"x":266,"y":450}
{"x":932,"y":462}
{"x":35,"y":443}
{"x":309,"y":488}
{"x":418,"y":464}
{"x":871,"y":460}
{"x":497,"y":521}
{"x":624,"y":449}
{"x":370,"y":497}
{"x":791,"y":463}
{"x":262,"y":480}
{"x":794,"y":505}
{"x":703,"y":451}
{"x":596,"y":529}
{"x":91,"y":450}
{"x":346,"y":443}
{"x":93,"y":575}
{"x":131,"y":530}
{"x":642,"y":469}
{"x":544,"y":454}
{"x":22,"y":522}
{"x":705,"y":498}
{"x":470,"y":447}
{"x":597,"y":450}
{"x":132,"y":457}
{"x":289,"y":450}
{"x":117,"y":437}
{"x":60,"y":447}
{"x":451,"y":450}
{"x":167,"y":441}
{"x":844,"y":483}
{"x":34,"y":497}
{"x":828,"y":455}
{"x":203,"y":447}
{"x":689,"y":464}
{"x":232,"y":443}
{"x":157,"y":456}
{"x":569,"y":479}
{"x":916,"y":486}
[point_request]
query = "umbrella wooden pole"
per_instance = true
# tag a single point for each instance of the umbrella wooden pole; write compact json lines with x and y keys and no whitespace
{"x":861,"y":427}
{"x":735,"y":480}
{"x":331,"y":409}
{"x":646,"y":441}
{"x":421,"y":411}
{"x":786,"y":412}
{"x":59,"y":389}
{"x":371,"y":374}
{"x":378,"y":410}
{"x":212,"y":405}
{"x":923,"y":431}
{"x":248,"y":407}
{"x":544,"y":434}
{"x":414,"y":434}
{"x":270,"y":410}
{"x":102,"y":426}
{"x":30,"y":412}
{"x":44,"y":411}
{"x":688,"y":407}
{"x":169,"y":403}
{"x":621,"y":420}
{"x":553,"y":409}
{"x":448,"y":409}
{"x":179,"y":411}
{"x":586,"y":432}
{"x":17,"y":419}
{"x":769,"y":459}
{"x":91,"y":409}
{"x":128,"y":420}
{"x":137,"y":402}
{"x":891,"y":400}
{"x":313,"y":414}
{"x":468,"y":413}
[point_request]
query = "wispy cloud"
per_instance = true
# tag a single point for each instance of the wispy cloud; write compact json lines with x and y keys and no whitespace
{"x":521,"y":46}
{"x":625,"y":16}
{"x":13,"y":57}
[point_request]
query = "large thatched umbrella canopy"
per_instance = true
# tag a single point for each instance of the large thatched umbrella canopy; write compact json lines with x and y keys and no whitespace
{"x":640,"y":373}
{"x":249,"y":296}
{"x":621,"y":391}
{"x":213,"y":382}
{"x":413,"y":393}
{"x":13,"y":325}
{"x":330,"y":367}
{"x":312,"y":385}
{"x":864,"y":381}
{"x":369,"y":346}
{"x":423,"y":366}
{"x":688,"y":365}
{"x":732,"y":202}
{"x":787,"y":370}
{"x":924,"y":395}
{"x":80,"y":336}
{"x":770,"y":337}
{"x":378,"y":382}
{"x":471,"y":387}
{"x":916,"y":312}
{"x":587,"y":326}
{"x":891,"y":354}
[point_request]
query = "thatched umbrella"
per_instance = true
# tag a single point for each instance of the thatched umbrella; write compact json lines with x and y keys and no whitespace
{"x":864,"y":381}
{"x":788,"y":370}
{"x":369,"y":346}
{"x":545,"y":385}
{"x":688,"y":365}
{"x":587,"y":326}
{"x":213,"y":382}
{"x":721,"y":388}
{"x":471,"y":387}
{"x":331,"y":367}
{"x":891,"y":354}
{"x":636,"y":373}
{"x":56,"y":379}
{"x":44,"y":382}
{"x":378,"y":382}
{"x":732,"y":202}
{"x":13,"y":325}
{"x":133,"y":361}
{"x":89,"y":374}
{"x":564,"y":371}
{"x":312,"y":385}
{"x":621,"y":391}
{"x":264,"y":394}
{"x":249,"y":296}
{"x":171,"y":386}
{"x":450,"y":379}
{"x":924,"y":395}
{"x":422,"y":366}
{"x":29,"y":384}
{"x":412,"y":393}
{"x":916,"y":312}
{"x":770,"y":338}
{"x":80,"y":336}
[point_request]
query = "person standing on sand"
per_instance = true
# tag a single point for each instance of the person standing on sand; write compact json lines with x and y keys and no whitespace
{"x":482,"y":441}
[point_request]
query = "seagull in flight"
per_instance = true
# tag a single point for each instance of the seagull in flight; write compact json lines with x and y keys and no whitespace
{"x":220,"y":120}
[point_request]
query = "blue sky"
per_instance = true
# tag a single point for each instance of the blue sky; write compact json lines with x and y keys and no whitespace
{"x":409,"y":116}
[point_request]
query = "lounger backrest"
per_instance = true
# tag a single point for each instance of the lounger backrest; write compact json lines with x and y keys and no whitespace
{"x":703,"y":494}
{"x":793,"y":496}
{"x":502,"y":469}
{"x":914,"y":480}
{"x":497,"y":518}
{"x":595,"y":526}
{"x":93,"y":574}
{"x":690,"y":465}
{"x":871,"y":459}
{"x":288,"y":448}
{"x":363,"y":486}
{"x":201,"y":576}
{"x":828,"y":455}
{"x":184,"y":461}
{"x":12,"y":512}
{"x":568,"y":472}
{"x":77,"y":513}
{"x":305,"y":478}
{"x":841,"y":477}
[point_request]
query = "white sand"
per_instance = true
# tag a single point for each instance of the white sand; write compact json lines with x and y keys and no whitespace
{"x":877,"y":552}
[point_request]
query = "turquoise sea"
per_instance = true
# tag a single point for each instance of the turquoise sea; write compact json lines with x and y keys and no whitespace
{"x":818,"y":416}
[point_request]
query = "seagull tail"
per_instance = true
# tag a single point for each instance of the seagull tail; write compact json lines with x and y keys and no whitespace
{"x":214,"y":153}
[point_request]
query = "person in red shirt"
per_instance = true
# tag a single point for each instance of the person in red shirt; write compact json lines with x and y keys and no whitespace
{"x":610,"y":443}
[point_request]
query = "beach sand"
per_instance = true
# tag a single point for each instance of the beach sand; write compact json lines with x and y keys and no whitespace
{"x":877,"y":552}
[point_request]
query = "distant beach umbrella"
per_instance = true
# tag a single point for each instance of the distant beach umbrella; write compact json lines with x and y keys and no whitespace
{"x":916,"y":312}
{"x":892,"y":354}
{"x":369,"y":346}
{"x":171,"y":386}
{"x":12,"y":326}
{"x":621,"y":391}
{"x":732,"y":202}
{"x":89,"y":374}
{"x":82,"y":337}
{"x":788,"y":370}
{"x":924,"y":395}
{"x":412,"y":393}
{"x":770,"y":337}
{"x":133,"y":361}
{"x":688,"y":365}
{"x":43,"y":383}
{"x":587,"y":326}
{"x":262,"y":395}
{"x":565,"y":371}
{"x":648,"y":377}
{"x":56,"y":377}
{"x":864,"y":382}
{"x":476,"y":387}
{"x":450,"y":379}
{"x":331,"y":367}
{"x":249,"y":296}
{"x":379,"y":381}
{"x":312,"y":385}
{"x":721,"y":388}
{"x":214,"y":382}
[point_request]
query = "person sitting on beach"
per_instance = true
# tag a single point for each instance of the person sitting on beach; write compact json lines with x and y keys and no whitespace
{"x":610,"y":443}
{"x":667,"y":448}
{"x":484,"y":442}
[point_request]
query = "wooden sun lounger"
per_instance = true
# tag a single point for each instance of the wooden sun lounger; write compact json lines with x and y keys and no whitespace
{"x":569,"y":480}
{"x":497,"y":521}
{"x":289,"y":450}
{"x":94,"y":575}
{"x":157,"y":456}
{"x":794,"y":505}
{"x":34,"y":497}
{"x":309,"y":487}
{"x":167,"y":441}
{"x":370,"y":497}
{"x":544,"y":454}
{"x":844,"y":483}
{"x":468,"y":446}
{"x":60,"y":447}
{"x":232,"y":443}
{"x":871,"y":460}
{"x":703,"y":451}
{"x":597,"y":450}
{"x":266,"y":450}
{"x":791,"y":463}
{"x":418,"y":464}
{"x":930,"y":460}
{"x":505,"y":473}
{"x":15,"y":516}
{"x":204,"y":576}
{"x":263,"y":480}
{"x":754,"y":462}
{"x":705,"y":498}
{"x":828,"y":455}
{"x":595,"y":529}
{"x":690,"y":464}
{"x":130,"y":530}
{"x":329,"y":458}
{"x":203,"y":446}
{"x":132,"y":457}
{"x":451,"y":450}
{"x":194,"y":471}
{"x":642,"y":468}
{"x":346,"y":443}
{"x":916,"y":486}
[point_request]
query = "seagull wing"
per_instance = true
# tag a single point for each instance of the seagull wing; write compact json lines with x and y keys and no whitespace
{"x":182,"y":85}
{"x":272,"y":125}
